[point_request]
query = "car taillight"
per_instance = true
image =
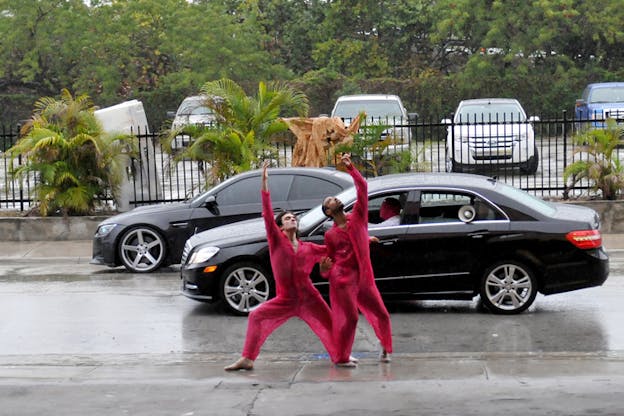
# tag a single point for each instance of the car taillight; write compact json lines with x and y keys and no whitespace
{"x":585,"y":239}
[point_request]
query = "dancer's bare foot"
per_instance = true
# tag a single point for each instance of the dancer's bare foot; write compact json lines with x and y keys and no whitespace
{"x":384,"y":356}
{"x":353,"y":359}
{"x":243,"y":363}
{"x":346,"y":364}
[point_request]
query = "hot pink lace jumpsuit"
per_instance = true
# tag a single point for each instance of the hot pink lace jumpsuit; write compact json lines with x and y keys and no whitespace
{"x":295,"y":294}
{"x":351,"y":280}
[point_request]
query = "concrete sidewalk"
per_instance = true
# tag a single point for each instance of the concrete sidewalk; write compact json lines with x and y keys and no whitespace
{"x":79,"y":251}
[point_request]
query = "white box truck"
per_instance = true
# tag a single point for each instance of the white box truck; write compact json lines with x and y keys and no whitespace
{"x":129,"y":118}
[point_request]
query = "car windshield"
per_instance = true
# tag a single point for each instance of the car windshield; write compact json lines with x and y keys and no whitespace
{"x":315,"y":216}
{"x":487,"y":112}
{"x":607,"y":95}
{"x":194,"y":107}
{"x":526,"y":199}
{"x":372,"y":108}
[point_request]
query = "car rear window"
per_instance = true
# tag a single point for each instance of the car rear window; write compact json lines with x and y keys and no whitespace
{"x":247,"y":190}
{"x":309,"y":187}
{"x":526,"y":199}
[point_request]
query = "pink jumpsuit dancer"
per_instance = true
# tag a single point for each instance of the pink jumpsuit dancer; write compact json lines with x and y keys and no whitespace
{"x":295,"y":293}
{"x":351,"y":280}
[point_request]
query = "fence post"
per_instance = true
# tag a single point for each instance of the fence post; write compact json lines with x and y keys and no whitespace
{"x":565,"y":139}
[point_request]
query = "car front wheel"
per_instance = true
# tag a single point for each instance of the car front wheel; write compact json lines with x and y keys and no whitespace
{"x":508,"y":287}
{"x":142,"y":250}
{"x":530,"y":167}
{"x":244,"y":287}
{"x":450,"y":165}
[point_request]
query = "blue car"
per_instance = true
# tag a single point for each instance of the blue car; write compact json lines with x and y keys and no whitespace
{"x":601,"y":101}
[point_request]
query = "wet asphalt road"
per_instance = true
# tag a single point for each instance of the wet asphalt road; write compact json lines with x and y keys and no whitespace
{"x":85,"y":338}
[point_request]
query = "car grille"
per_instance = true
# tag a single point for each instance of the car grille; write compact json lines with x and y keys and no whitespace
{"x":615,"y":113}
{"x":489,"y":148}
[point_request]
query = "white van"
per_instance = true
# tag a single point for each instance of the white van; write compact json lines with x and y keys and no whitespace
{"x":380,"y":109}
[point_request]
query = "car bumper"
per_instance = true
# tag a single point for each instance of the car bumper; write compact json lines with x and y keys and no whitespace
{"x":104,"y":250}
{"x":198,"y":285}
{"x":516,"y":154}
{"x":588,"y":270}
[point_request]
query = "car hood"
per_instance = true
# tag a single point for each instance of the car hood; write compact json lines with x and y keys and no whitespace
{"x":607,"y":107}
{"x":143,"y":211}
{"x":236,"y":233}
{"x":493,"y":130}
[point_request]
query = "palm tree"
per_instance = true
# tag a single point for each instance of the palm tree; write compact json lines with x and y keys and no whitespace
{"x":244,"y":127}
{"x":601,"y":166}
{"x":75,"y":162}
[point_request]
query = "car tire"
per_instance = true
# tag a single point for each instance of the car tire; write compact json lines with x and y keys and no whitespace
{"x":530,"y":167}
{"x":508,"y":287}
{"x":450,"y":165}
{"x":244,"y":287}
{"x":142,"y":250}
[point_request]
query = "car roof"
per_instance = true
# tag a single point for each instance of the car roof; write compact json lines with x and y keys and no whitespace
{"x":488,"y":100}
{"x":437,"y":179}
{"x":358,"y":97}
{"x":195,"y":98}
{"x":327,"y":172}
{"x":605,"y":84}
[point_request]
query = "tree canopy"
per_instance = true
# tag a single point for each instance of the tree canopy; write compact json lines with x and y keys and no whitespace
{"x":432,"y":53}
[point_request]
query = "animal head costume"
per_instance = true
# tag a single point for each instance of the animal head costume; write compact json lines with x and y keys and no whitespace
{"x":317,"y":136}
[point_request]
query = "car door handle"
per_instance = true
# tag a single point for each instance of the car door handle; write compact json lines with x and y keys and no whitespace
{"x":478,"y":234}
{"x":388,"y":242}
{"x":179,"y":224}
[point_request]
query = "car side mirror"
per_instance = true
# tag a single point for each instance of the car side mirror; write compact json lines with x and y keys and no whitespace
{"x":580,"y":102}
{"x":533,"y":119}
{"x":446,"y":121}
{"x":211,"y":204}
{"x":412,"y":116}
{"x":171,"y":114}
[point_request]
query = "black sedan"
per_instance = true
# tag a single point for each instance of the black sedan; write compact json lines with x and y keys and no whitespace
{"x":153,"y":236}
{"x":460,"y":236}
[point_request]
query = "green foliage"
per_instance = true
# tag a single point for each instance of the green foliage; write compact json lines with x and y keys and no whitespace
{"x":600,"y":164}
{"x":375,"y":156}
{"x":76,"y":163}
{"x":160,"y":51}
{"x":245,"y":126}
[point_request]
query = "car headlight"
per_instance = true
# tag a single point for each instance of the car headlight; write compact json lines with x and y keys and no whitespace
{"x":104,"y":230}
{"x":203,"y":254}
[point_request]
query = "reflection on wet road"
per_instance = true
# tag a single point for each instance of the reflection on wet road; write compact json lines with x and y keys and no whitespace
{"x":77,"y":309}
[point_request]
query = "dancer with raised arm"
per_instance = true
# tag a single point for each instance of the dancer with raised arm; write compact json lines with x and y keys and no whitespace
{"x":291,"y":261}
{"x":351,"y":280}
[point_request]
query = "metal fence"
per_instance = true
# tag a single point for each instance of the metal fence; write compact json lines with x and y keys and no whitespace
{"x":483,"y":148}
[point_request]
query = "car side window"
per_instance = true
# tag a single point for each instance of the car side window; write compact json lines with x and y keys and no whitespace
{"x":247,"y":190}
{"x":442,"y":207}
{"x":309,"y":187}
{"x":394,"y":201}
{"x":437,"y":207}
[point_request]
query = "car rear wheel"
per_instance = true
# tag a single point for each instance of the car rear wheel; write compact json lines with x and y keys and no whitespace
{"x":244,"y":287}
{"x":508,"y":287}
{"x":142,"y":250}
